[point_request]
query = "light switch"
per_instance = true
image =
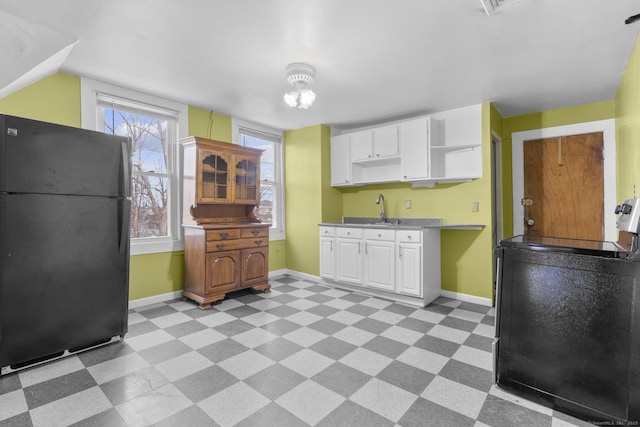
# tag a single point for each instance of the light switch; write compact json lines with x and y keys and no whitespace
{"x":407,"y":204}
{"x":475,"y":206}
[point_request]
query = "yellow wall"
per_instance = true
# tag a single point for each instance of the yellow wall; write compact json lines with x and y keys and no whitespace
{"x":627,"y":104}
{"x":550,"y":118}
{"x":466,"y":255}
{"x":207,"y":124}
{"x":303,"y":152}
{"x":56,"y":99}
{"x":310,"y":199}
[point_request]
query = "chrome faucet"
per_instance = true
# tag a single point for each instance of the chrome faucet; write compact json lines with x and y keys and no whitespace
{"x":383,"y":214}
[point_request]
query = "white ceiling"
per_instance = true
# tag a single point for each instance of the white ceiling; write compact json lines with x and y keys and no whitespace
{"x":376,"y":60}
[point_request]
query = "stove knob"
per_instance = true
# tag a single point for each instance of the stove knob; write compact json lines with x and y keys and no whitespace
{"x":618,"y":209}
{"x":626,"y":209}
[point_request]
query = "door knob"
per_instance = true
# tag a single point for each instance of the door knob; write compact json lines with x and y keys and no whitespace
{"x":530,"y":222}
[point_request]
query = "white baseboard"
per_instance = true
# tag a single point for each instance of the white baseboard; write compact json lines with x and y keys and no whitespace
{"x":447,"y":294}
{"x":467,"y":298}
{"x":177,"y":294}
{"x":155,"y":299}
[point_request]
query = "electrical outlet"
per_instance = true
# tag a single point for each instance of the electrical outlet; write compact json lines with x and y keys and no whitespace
{"x":475,"y":206}
{"x":407,"y":204}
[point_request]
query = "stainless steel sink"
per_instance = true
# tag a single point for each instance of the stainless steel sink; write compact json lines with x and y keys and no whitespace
{"x":391,"y":222}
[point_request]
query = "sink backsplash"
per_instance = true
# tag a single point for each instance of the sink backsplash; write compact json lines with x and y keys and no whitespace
{"x":418,"y":222}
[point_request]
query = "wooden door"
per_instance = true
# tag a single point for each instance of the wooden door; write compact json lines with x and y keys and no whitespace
{"x":564,"y":187}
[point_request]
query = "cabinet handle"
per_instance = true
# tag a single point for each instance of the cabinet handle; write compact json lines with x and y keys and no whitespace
{"x":400,"y":252}
{"x":377,"y":155}
{"x":379,"y":235}
{"x":366,"y":250}
{"x":224,"y":235}
{"x":409,"y":237}
{"x":255,"y":232}
{"x":220,"y":246}
{"x":331,"y":247}
{"x":359,"y":247}
{"x":258,"y":242}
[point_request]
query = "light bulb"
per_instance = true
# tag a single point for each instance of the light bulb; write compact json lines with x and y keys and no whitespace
{"x":291,"y":98}
{"x":307,"y":96}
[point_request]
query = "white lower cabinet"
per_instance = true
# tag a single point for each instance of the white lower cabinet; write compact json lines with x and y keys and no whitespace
{"x":409,"y":269}
{"x":349,"y":255}
{"x":405,"y":263}
{"x":380,"y":248}
{"x":328,"y":252}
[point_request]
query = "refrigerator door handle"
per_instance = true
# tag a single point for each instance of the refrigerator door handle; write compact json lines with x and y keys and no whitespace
{"x":124,"y":231}
{"x":126,"y":158}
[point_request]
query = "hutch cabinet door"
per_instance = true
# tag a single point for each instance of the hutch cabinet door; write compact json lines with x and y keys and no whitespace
{"x":214,"y":170}
{"x":247,"y":181}
{"x":255,"y":265}
{"x":223,"y":269}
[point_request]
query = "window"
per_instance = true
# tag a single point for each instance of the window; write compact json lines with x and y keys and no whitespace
{"x":153,"y":126}
{"x":271,"y":207}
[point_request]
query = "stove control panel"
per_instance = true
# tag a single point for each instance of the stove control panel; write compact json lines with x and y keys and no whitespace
{"x":629,"y":216}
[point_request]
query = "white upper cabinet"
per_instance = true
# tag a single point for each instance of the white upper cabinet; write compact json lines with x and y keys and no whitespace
{"x":385,"y":141}
{"x":443,"y":148}
{"x":340,"y":161}
{"x":414,"y":145}
{"x":361,"y":145}
{"x":374,"y":144}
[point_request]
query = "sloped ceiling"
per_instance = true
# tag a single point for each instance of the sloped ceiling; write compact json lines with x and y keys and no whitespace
{"x":376,"y":60}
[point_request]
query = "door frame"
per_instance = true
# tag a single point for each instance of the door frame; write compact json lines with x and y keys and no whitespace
{"x":608,"y":129}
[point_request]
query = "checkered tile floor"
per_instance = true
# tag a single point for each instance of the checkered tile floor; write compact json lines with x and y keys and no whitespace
{"x":302,"y":355}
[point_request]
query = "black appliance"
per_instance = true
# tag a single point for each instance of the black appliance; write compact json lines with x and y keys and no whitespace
{"x":568,"y":323}
{"x":64,"y":240}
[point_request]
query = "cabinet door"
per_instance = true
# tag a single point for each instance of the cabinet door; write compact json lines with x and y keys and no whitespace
{"x":223,"y":269}
{"x":414,"y":149}
{"x":380,"y":265}
{"x":340,"y":161}
{"x":255,"y":265}
{"x":385,"y":141}
{"x":361,"y":145}
{"x":349,"y":260}
{"x":327,"y":258}
{"x":246,"y":180}
{"x":213,"y":174}
{"x":409,"y":269}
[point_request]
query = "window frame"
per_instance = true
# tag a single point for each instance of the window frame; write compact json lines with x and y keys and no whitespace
{"x":90,"y":92}
{"x":277,"y":138}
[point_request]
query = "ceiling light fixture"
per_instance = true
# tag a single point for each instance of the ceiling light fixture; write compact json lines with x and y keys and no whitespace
{"x":300,"y":75}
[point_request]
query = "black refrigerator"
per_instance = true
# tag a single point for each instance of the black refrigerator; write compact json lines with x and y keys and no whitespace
{"x":64,"y":240}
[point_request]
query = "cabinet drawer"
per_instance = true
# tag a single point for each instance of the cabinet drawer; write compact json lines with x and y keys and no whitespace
{"x":254,"y":232}
{"x":327,"y":231}
{"x":227,"y":245}
{"x":414,"y":236}
{"x":224,"y":234}
{"x":386,"y":235}
{"x":353,"y":233}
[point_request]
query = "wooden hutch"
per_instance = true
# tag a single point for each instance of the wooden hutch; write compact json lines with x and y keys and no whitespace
{"x":226,"y":247}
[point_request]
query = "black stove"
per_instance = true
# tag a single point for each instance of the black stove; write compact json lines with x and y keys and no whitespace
{"x":568,"y":322}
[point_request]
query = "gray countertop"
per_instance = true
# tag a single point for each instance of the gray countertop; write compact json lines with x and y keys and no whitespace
{"x":400,"y":224}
